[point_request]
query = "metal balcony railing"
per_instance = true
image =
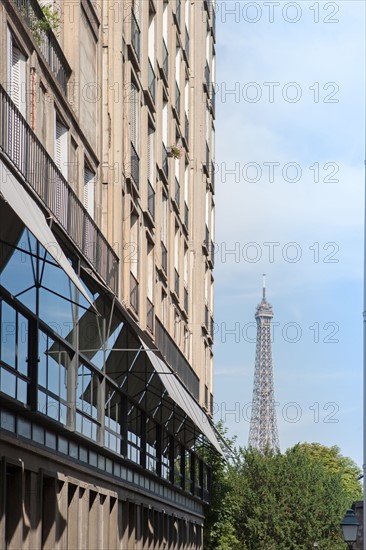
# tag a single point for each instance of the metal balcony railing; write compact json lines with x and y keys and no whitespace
{"x":165,"y":60}
{"x":186,"y":46}
{"x":176,"y":359}
{"x":185,"y":299}
{"x":134,"y":293}
{"x":151,"y":200}
{"x":135,"y":35}
{"x":211,"y":327}
{"x":21,"y":146}
{"x":186,"y":214}
{"x":135,"y":166}
{"x":207,"y":316}
{"x":186,"y":129}
{"x":207,"y":156}
{"x":176,"y":282}
{"x":165,"y":164}
{"x":177,"y":192}
{"x":150,"y":315}
{"x":164,"y":257}
{"x":151,"y":81}
{"x":177,"y":99}
{"x":46,"y":41}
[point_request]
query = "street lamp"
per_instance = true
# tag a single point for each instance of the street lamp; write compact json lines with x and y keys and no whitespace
{"x":350,"y":526}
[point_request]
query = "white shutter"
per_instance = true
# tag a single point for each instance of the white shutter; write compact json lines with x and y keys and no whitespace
{"x":61,"y":147}
{"x":89,"y":191}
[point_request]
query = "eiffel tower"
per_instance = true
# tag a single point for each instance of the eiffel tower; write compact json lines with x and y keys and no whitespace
{"x":263,"y":423}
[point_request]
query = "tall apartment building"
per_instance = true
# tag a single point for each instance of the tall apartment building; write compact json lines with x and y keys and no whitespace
{"x":106,"y":287}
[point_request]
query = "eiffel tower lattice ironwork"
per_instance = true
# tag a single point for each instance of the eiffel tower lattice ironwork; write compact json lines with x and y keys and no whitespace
{"x":263,"y":423}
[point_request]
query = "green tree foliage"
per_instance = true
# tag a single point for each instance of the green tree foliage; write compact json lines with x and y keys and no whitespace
{"x":274,"y":501}
{"x":335,"y":463}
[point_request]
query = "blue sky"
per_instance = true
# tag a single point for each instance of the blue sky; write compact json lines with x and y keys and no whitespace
{"x":312,"y":209}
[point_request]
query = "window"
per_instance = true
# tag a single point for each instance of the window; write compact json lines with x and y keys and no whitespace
{"x":54,"y":361}
{"x":16,"y":74}
{"x":134,"y":435}
{"x":134,"y":116}
{"x":164,"y":218}
{"x":87,"y":402}
{"x":88,"y":193}
{"x":13,"y":353}
{"x":61,"y":146}
{"x":113,"y":432}
{"x":151,"y":457}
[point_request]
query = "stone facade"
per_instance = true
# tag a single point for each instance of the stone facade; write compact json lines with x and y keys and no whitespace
{"x":99,"y":446}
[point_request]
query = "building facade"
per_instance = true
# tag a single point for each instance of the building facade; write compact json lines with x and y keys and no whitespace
{"x":106,"y":285}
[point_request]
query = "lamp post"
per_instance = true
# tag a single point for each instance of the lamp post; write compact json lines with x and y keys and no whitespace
{"x":350,"y":526}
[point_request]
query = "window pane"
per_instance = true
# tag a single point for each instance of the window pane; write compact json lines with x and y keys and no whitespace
{"x":22,"y":344}
{"x":8,"y":332}
{"x":8,"y":383}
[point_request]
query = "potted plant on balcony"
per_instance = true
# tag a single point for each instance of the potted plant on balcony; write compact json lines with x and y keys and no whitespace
{"x":176,"y":152}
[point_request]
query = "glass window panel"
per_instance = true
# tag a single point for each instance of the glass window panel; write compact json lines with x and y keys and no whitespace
{"x":17,"y":275}
{"x":93,"y":458}
{"x":53,"y":410}
{"x":8,"y":382}
{"x":83,"y":454}
{"x":56,"y":310}
{"x":38,"y":434}
{"x":63,"y":413}
{"x":50,"y":440}
{"x":24,"y":428}
{"x":22,"y":344}
{"x":63,"y":445}
{"x":53,"y":366}
{"x":8,"y":334}
{"x":7,"y":421}
{"x":74,"y":450}
{"x":42,"y":364}
{"x":42,"y":402}
{"x":22,"y":391}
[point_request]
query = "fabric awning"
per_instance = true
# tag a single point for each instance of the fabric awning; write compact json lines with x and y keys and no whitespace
{"x":33,"y":218}
{"x":182,"y":398}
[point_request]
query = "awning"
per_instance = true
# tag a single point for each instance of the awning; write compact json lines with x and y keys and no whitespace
{"x":32,"y":217}
{"x":182,"y":398}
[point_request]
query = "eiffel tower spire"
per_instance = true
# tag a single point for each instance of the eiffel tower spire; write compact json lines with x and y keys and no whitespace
{"x":263,"y":423}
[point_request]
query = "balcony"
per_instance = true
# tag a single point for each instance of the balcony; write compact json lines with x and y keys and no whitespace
{"x":176,"y":282}
{"x":207,"y":317}
{"x":212,"y":176}
{"x":46,"y":41}
{"x":206,"y":165}
{"x":213,"y":26}
{"x":206,"y":242}
{"x":40,"y":172}
{"x":151,"y":82}
{"x":212,"y":254}
{"x":134,"y":293}
{"x":186,"y":45}
{"x":186,"y":131}
{"x":135,"y":36}
{"x":150,"y":315}
{"x":207,"y":77}
{"x":135,"y":167}
{"x":177,"y":100}
{"x":176,"y":359}
{"x":178,"y":14}
{"x":165,"y":68}
{"x":164,"y":258}
{"x":212,"y":94}
{"x":177,"y":193}
{"x":151,"y":200}
{"x":185,"y":299}
{"x":211,"y":327}
{"x":165,"y":164}
{"x":186,"y":215}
